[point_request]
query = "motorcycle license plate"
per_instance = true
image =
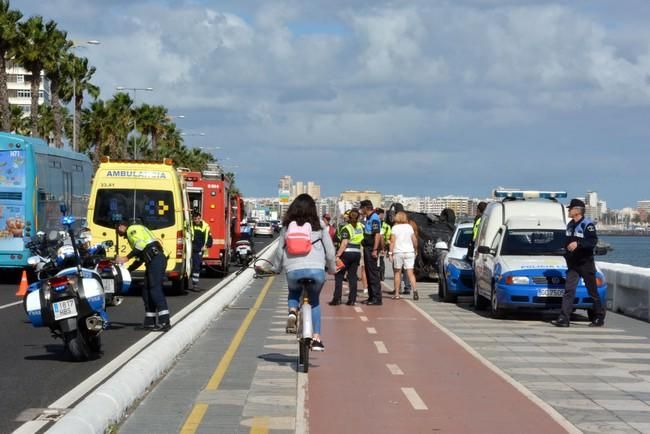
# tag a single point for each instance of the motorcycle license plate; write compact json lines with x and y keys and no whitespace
{"x":550,"y":292}
{"x":64,"y":309}
{"x":244,"y":251}
{"x":109,"y":285}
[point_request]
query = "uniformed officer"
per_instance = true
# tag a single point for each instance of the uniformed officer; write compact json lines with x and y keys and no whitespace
{"x":146,"y":248}
{"x":581,"y":239}
{"x":201,"y":240}
{"x":477,"y":223}
{"x":349,"y":252}
{"x":385,"y":232}
{"x":371,"y":245}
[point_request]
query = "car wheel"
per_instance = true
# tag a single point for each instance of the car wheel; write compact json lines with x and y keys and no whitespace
{"x":480,"y":303}
{"x":496,"y":310}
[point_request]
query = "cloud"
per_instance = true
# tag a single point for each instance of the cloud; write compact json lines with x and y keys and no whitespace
{"x":460,"y":91}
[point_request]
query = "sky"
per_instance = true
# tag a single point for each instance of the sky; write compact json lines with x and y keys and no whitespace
{"x":420,"y":97}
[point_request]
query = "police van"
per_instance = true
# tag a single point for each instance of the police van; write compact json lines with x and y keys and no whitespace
{"x":519,"y":257}
{"x":148,"y":193}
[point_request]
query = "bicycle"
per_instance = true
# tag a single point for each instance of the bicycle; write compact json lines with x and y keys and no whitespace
{"x":304,"y":327}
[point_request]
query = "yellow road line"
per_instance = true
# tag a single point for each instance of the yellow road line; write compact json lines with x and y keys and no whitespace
{"x":194,"y":419}
{"x":260,"y":425}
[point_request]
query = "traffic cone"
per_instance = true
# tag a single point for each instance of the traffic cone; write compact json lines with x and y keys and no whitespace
{"x":22,"y":288}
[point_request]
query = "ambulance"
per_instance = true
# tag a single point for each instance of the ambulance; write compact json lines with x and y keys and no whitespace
{"x":519,"y":254}
{"x":209,"y":193}
{"x":148,"y":193}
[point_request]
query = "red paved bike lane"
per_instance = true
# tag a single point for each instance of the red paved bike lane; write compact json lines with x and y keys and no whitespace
{"x":388,"y":369}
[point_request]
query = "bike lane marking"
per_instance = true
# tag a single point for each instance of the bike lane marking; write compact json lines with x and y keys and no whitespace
{"x":394,"y":369}
{"x":414,"y":399}
{"x":381,"y":347}
{"x":371,"y":330}
{"x":193,"y":421}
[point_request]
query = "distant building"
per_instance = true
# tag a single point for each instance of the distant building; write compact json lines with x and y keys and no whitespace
{"x":643,"y":205}
{"x":313,"y":190}
{"x":19,"y":82}
{"x":355,"y":196}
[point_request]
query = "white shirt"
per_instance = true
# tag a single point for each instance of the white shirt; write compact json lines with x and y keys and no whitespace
{"x":403,"y":241}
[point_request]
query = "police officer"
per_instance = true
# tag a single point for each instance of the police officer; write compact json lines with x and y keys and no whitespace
{"x":349,"y":252}
{"x":146,"y":248}
{"x":201,"y":240}
{"x":477,"y":223}
{"x":371,"y":246}
{"x":581,"y":239}
{"x":385,"y":232}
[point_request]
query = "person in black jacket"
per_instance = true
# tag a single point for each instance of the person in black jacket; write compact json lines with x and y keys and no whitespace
{"x":581,"y":239}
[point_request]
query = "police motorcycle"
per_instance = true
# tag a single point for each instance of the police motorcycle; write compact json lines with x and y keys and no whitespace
{"x":71,"y":303}
{"x":116,"y":278}
{"x":243,"y":252}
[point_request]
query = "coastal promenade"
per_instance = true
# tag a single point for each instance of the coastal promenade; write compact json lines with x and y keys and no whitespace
{"x":404,"y":367}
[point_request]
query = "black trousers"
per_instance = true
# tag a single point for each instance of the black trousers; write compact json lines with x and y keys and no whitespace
{"x":197,"y":260}
{"x":155,"y":303}
{"x":372,"y":274}
{"x":382,"y":268}
{"x":351,"y":264}
{"x":587,"y":271}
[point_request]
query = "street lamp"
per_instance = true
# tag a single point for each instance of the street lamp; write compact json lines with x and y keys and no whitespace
{"x":135,"y":126}
{"x":77,"y":44}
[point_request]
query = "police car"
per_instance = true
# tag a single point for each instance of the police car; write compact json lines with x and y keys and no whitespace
{"x":519,"y":258}
{"x":456,"y":275}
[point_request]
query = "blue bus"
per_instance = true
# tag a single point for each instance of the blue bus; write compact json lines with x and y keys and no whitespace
{"x":34,"y":180}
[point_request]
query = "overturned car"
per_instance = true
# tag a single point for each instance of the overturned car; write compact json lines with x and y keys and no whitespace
{"x":431,"y":229}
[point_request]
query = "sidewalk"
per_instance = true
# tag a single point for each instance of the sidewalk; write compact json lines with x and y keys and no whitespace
{"x":386,"y":369}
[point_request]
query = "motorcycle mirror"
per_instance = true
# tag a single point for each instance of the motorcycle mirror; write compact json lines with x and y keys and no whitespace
{"x":33,"y":260}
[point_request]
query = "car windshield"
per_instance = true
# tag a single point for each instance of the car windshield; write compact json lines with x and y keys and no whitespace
{"x":533,"y":242}
{"x":463,"y":238}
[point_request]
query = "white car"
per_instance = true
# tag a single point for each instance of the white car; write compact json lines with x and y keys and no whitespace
{"x":456,"y":274}
{"x":263,"y":228}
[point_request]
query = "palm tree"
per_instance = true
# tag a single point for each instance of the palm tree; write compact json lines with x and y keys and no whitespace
{"x":120,"y":122}
{"x":59,"y":46}
{"x":93,"y":130}
{"x":33,"y":53}
{"x":19,"y":124}
{"x":46,"y":123}
{"x":8,"y":41}
{"x":77,"y":82}
{"x":152,"y":120}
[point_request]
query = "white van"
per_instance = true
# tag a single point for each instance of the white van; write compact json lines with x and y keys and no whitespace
{"x":519,"y":257}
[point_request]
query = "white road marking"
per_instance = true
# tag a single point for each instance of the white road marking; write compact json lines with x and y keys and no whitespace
{"x":363,"y":318}
{"x":414,"y":398}
{"x":357,"y":309}
{"x":11,"y":304}
{"x":394,"y":369}
{"x":371,"y":330}
{"x":381,"y":348}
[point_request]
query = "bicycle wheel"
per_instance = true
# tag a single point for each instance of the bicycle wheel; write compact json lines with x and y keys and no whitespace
{"x":304,"y":350}
{"x":299,"y":337}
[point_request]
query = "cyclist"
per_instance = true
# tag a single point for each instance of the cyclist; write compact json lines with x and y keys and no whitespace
{"x":311,"y":265}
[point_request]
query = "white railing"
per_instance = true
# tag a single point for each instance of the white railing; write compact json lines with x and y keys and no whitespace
{"x":628,"y":289}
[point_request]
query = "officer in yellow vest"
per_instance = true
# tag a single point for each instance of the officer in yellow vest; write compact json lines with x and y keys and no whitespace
{"x":477,"y":224}
{"x":385,"y":232}
{"x":146,"y":248}
{"x":201,"y":240}
{"x":349,"y":252}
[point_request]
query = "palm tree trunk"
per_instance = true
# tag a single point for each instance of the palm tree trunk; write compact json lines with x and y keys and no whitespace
{"x":36,"y":82}
{"x":5,"y":112}
{"x":58,"y":116}
{"x":154,"y":145}
{"x":78,"y":102}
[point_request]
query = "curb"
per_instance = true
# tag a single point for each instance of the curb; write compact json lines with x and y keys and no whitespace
{"x":109,"y":403}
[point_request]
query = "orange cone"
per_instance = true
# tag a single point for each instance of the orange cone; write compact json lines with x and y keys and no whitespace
{"x":22,"y":288}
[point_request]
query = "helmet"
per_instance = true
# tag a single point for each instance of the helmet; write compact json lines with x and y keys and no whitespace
{"x":64,"y":252}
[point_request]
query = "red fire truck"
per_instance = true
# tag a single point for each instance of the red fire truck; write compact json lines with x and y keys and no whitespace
{"x":209,"y":192}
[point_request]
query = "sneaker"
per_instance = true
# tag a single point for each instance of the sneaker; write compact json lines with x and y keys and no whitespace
{"x":597,"y":323}
{"x":364,"y":291}
{"x":416,"y":297}
{"x":560,"y":323}
{"x":291,"y":322}
{"x":317,"y":346}
{"x":163,"y":327}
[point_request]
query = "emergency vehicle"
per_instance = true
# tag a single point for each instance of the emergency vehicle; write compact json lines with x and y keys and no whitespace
{"x":209,"y":193}
{"x":519,"y":257}
{"x":148,"y":193}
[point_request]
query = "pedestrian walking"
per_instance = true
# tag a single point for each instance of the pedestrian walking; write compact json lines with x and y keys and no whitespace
{"x":371,"y":244}
{"x":581,"y":239}
{"x":301,"y":223}
{"x":407,"y":283}
{"x":201,"y":240}
{"x":403,"y":244}
{"x":146,"y":248}
{"x":349,"y":252}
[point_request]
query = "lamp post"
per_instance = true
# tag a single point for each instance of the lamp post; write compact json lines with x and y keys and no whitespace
{"x":135,"y":126}
{"x":77,"y":44}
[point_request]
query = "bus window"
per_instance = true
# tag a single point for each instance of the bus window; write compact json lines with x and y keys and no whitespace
{"x":153,"y":208}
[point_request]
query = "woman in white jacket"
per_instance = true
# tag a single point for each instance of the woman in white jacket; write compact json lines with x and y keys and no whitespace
{"x":322,"y":256}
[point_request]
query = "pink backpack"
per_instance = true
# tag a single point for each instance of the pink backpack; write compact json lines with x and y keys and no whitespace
{"x":297,"y":239}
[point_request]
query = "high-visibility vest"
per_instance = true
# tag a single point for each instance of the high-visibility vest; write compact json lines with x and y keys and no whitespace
{"x":356,"y":233}
{"x":139,"y":237}
{"x":477,"y":223}
{"x":386,"y":232}
{"x":203,"y":229}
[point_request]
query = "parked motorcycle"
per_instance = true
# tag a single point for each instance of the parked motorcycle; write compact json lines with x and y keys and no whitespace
{"x":71,"y":303}
{"x":243,"y":252}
